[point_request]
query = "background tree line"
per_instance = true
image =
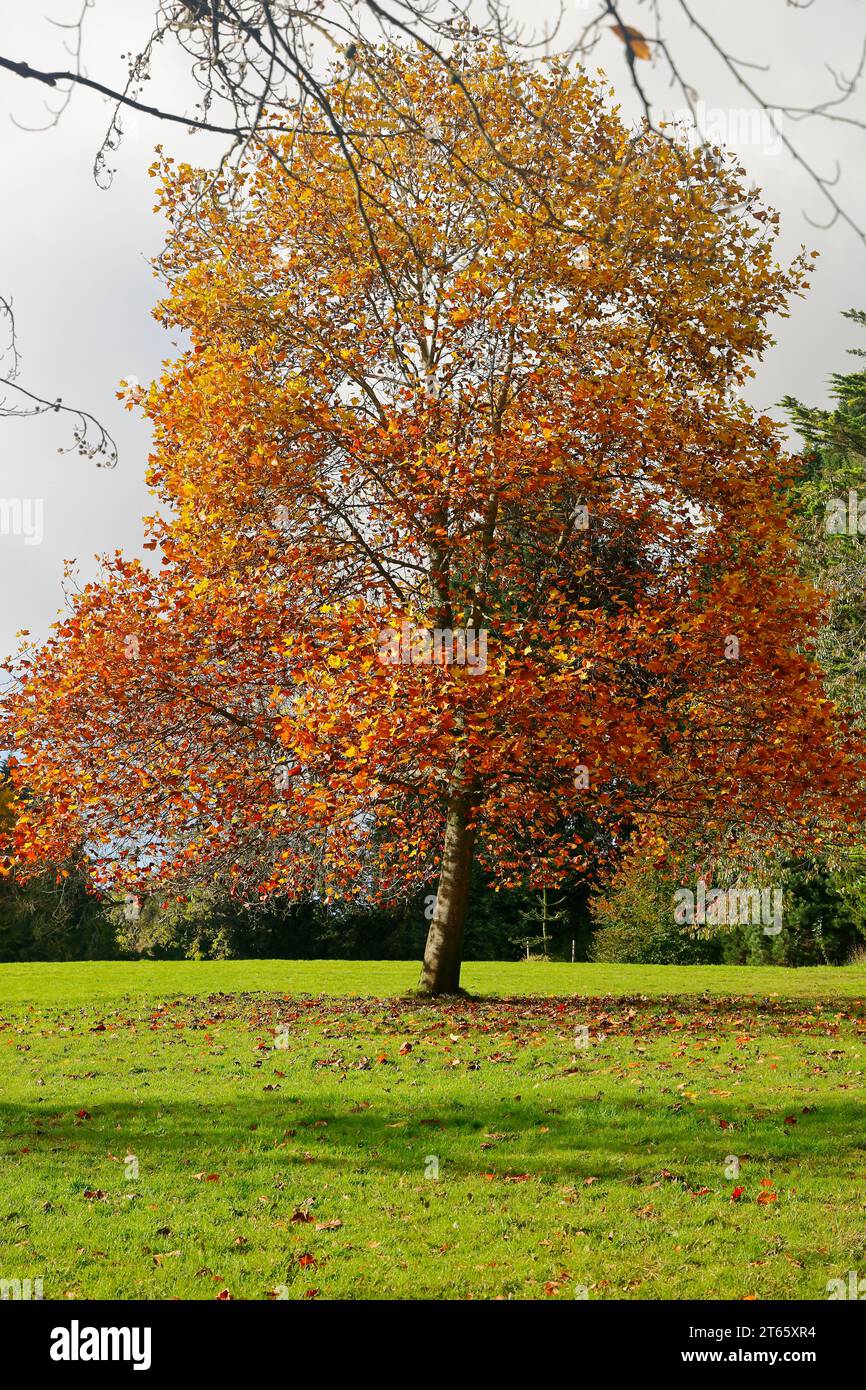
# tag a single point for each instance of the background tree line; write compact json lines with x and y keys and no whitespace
{"x":52,"y":918}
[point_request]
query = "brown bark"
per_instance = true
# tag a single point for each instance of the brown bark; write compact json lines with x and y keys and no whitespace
{"x":444,"y":950}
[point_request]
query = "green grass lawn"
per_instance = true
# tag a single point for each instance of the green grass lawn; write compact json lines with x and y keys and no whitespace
{"x":275,"y":1129}
{"x":84,"y":983}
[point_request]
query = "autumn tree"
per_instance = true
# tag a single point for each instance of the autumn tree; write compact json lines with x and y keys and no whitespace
{"x":245,"y":60}
{"x":52,"y":914}
{"x":243,"y":70}
{"x":469,"y":547}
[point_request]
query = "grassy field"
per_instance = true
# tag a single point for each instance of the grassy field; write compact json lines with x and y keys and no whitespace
{"x":112,"y":981}
{"x":298,"y":1129}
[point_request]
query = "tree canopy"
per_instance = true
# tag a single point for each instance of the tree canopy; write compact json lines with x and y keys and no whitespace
{"x":511,"y":411}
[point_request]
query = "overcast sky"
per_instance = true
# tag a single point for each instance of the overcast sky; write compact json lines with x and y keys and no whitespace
{"x":74,"y":259}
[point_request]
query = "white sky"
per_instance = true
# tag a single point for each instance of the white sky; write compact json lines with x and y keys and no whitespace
{"x":74,"y":259}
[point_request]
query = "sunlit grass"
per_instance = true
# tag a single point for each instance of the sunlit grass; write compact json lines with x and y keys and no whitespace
{"x":561,"y":1167}
{"x":84,"y":982}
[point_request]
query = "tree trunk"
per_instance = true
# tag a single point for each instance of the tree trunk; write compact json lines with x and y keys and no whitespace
{"x":443,"y":952}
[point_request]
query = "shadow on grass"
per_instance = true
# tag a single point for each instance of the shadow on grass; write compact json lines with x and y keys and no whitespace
{"x":599,"y":1137}
{"x":624,"y":1013}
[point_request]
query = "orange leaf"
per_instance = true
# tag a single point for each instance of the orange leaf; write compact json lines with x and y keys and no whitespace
{"x":633,"y":38}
